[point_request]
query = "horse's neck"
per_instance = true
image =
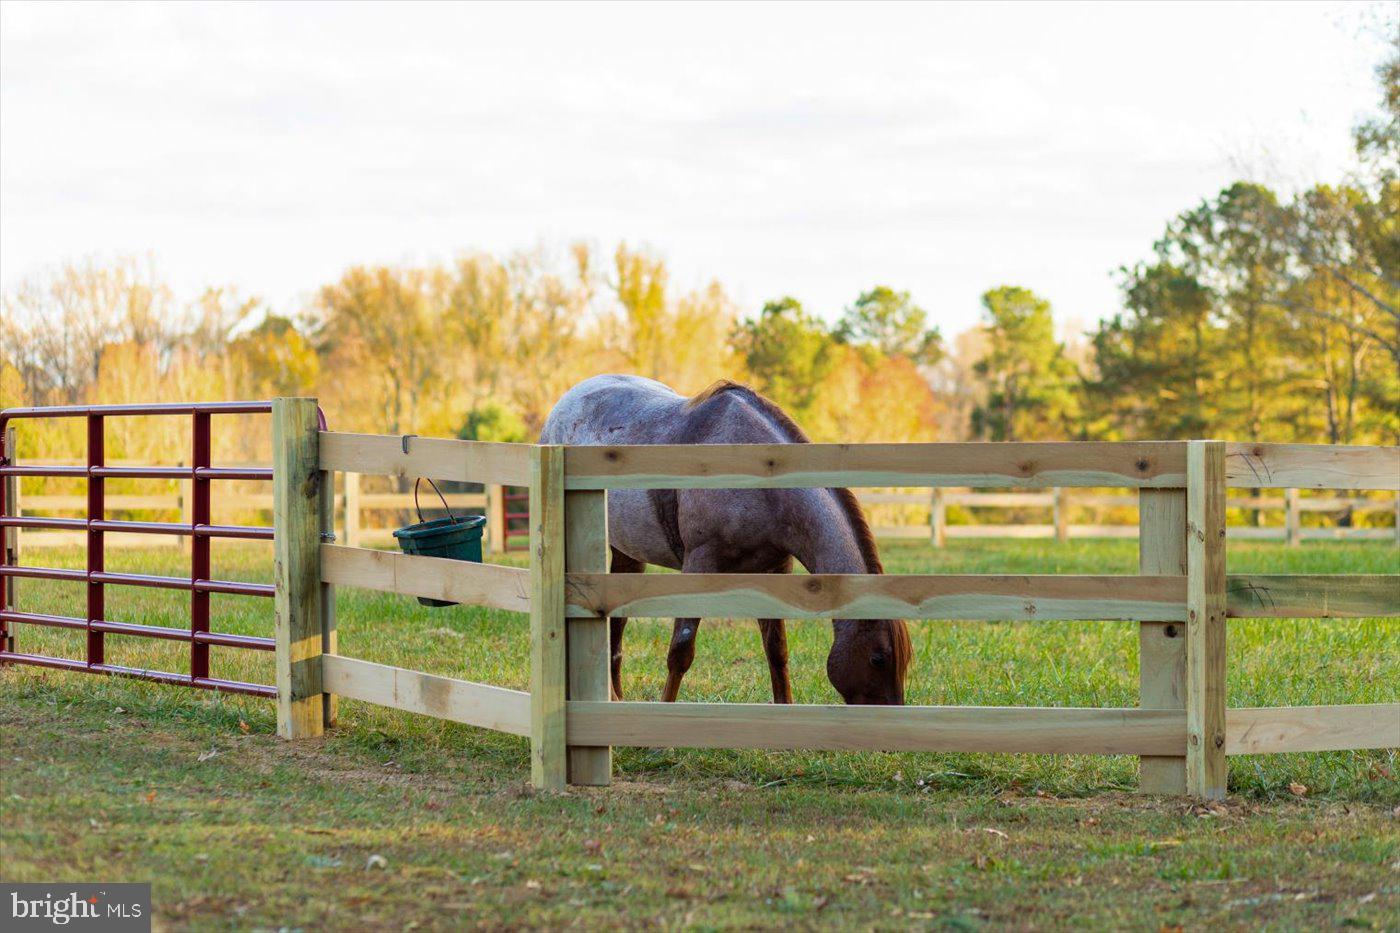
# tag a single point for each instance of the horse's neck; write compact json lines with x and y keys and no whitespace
{"x":823,"y":537}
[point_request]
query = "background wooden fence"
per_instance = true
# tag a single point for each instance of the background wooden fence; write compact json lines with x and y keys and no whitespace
{"x":369,"y":518}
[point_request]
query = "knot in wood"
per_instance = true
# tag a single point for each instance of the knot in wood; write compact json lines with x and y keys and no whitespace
{"x":1143,"y":465}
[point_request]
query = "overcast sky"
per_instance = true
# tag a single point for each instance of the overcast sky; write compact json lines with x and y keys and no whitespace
{"x":812,"y":150}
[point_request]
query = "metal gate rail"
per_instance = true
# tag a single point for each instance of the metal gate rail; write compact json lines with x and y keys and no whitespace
{"x":199,"y":585}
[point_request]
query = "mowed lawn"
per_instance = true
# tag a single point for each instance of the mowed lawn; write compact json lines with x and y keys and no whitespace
{"x":394,"y":820}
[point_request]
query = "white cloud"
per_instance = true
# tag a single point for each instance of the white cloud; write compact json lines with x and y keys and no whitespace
{"x":803,"y":149}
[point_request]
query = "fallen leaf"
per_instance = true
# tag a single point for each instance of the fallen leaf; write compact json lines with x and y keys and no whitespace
{"x":207,"y":755}
{"x":243,"y":727}
{"x":1298,"y":790}
{"x":995,"y":832}
{"x":376,"y":861}
{"x":151,"y":797}
{"x":592,"y":845}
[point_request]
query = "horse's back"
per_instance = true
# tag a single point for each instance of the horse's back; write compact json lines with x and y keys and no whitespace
{"x":614,"y":409}
{"x":651,"y":526}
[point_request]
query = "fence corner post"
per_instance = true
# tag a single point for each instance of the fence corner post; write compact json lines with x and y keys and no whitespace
{"x":1206,"y":767}
{"x":548,"y":661}
{"x":1162,"y":645}
{"x":588,"y":640}
{"x":296,"y":509}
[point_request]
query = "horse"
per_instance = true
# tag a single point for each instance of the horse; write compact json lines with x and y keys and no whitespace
{"x":731,"y":530}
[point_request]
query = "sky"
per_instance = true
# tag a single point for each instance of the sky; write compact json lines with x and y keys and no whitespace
{"x":795,"y":149}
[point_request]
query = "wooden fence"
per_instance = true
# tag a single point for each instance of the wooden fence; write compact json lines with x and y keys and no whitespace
{"x":1059,"y":505}
{"x":351,"y":506}
{"x":1182,"y":729}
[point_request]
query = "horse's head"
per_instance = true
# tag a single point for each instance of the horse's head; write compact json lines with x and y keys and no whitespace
{"x":868,"y":660}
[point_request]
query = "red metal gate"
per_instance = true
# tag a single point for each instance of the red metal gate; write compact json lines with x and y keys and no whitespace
{"x":515,"y":507}
{"x":201,"y":473}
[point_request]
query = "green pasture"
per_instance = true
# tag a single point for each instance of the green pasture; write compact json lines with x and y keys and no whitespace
{"x":122,"y":780}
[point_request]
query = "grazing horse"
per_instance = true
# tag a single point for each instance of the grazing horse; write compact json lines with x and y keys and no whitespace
{"x":731,"y":530}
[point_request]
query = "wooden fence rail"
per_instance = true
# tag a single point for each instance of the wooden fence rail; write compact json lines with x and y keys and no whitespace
{"x":352,"y":506}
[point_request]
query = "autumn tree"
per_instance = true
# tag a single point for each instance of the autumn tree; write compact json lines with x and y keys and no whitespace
{"x":1032,"y":389}
{"x":890,"y":321}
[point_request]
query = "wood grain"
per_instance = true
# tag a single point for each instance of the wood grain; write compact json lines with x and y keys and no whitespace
{"x":589,"y":641}
{"x":548,"y":662}
{"x":435,"y":457}
{"x":296,"y":492}
{"x":1312,"y":466}
{"x":440,"y":697}
{"x":1162,"y":643}
{"x":1050,"y":731}
{"x":456,"y":581}
{"x":1205,"y":624}
{"x":1264,"y":730}
{"x":1030,"y":465}
{"x":878,"y":596}
{"x":1312,"y":595}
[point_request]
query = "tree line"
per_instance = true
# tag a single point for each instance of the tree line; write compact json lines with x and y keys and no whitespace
{"x":1257,"y":316}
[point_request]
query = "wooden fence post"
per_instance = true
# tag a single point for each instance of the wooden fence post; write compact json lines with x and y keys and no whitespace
{"x":495,"y":520}
{"x":330,"y":706}
{"x":1206,"y":768}
{"x":1292,"y":518}
{"x":548,"y":662}
{"x":588,"y":641}
{"x":938,"y":518}
{"x":1162,"y":645}
{"x":296,"y":503}
{"x":1061,"y":514}
{"x":352,"y":510}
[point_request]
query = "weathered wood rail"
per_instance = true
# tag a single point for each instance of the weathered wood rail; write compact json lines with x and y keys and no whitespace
{"x":1182,"y":729}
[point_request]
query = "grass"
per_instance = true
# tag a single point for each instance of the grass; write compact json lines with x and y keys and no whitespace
{"x":114,"y":779}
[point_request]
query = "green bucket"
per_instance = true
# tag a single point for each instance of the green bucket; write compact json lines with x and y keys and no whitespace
{"x":457,"y":537}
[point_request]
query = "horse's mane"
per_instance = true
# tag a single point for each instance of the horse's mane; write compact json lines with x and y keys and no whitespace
{"x":903,"y":646}
{"x":794,"y":434}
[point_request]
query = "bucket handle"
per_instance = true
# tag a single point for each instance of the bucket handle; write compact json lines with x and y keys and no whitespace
{"x":440,"y":496}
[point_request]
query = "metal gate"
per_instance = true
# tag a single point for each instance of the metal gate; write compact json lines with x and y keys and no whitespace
{"x":201,"y":474}
{"x":515,"y":507}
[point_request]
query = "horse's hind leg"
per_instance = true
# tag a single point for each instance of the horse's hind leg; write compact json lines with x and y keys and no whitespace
{"x":679,"y":658}
{"x":621,"y":563}
{"x":774,"y":634}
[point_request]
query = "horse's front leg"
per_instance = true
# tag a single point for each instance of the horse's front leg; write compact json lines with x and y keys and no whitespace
{"x":680,"y":656}
{"x":682,"y":650}
{"x":774,"y":633}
